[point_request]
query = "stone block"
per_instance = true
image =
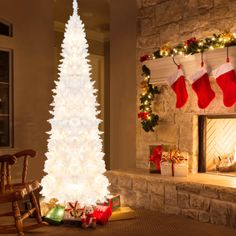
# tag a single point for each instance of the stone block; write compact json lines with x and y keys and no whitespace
{"x":204,"y":216}
{"x":220,"y":212}
{"x":157,"y":202}
{"x":233,"y":216}
{"x":199,"y":202}
{"x":140,"y":184}
{"x":125,"y":181}
{"x":194,"y":23}
{"x":129,"y":197}
{"x":143,"y":200}
{"x":193,"y":188}
{"x":171,"y":195}
{"x":168,"y":12}
{"x":219,"y":13}
{"x":167,"y":133}
{"x":147,"y":27}
{"x":148,"y":42}
{"x":147,"y":3}
{"x":186,"y":143}
{"x":172,"y":210}
{"x":146,"y":12}
{"x":183,"y":118}
{"x":190,"y":213}
{"x":165,"y":35}
{"x":183,"y":200}
{"x":155,"y":187}
{"x":113,"y":178}
{"x":114,"y":189}
{"x":210,"y":192}
{"x":228,"y":196}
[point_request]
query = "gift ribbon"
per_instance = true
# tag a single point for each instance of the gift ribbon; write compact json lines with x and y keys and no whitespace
{"x":174,"y":158}
{"x":73,"y":210}
{"x":156,"y":154}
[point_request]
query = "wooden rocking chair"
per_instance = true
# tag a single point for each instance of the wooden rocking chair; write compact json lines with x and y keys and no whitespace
{"x":17,"y":192}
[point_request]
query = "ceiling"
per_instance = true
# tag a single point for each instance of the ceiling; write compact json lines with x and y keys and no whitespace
{"x":94,"y":13}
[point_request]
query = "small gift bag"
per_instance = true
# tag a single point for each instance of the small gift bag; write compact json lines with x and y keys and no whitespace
{"x":155,"y":159}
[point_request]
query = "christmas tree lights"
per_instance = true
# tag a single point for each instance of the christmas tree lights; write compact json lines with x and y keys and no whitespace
{"x":75,"y":164}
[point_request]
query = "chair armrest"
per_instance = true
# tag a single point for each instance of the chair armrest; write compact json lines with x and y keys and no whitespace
{"x":28,"y":152}
{"x":9,"y":159}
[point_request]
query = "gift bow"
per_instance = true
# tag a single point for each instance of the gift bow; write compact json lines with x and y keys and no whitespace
{"x":155,"y":158}
{"x":74,"y":210}
{"x":174,"y":157}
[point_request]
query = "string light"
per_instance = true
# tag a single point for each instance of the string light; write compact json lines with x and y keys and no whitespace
{"x":193,"y":45}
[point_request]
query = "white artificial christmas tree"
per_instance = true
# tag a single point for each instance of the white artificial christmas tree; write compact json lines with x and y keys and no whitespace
{"x":75,"y":164}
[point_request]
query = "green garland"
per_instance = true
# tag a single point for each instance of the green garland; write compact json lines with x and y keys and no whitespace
{"x":149,"y":120}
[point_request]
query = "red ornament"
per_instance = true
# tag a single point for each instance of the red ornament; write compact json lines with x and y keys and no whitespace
{"x":144,"y":58}
{"x":143,"y":115}
{"x":191,"y":41}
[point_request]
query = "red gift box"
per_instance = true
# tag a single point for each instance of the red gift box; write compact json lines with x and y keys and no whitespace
{"x":155,"y":159}
{"x":102,"y":214}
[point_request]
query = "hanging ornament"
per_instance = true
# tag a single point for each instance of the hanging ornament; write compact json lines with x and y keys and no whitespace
{"x":165,"y":50}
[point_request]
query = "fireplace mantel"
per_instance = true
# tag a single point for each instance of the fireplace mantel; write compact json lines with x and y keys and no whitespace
{"x":162,"y":68}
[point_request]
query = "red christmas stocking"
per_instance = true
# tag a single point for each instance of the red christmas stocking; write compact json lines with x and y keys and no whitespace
{"x":226,"y":79}
{"x":201,"y":86}
{"x":177,"y":83}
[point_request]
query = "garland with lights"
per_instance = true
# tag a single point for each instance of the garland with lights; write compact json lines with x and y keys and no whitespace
{"x":149,"y":120}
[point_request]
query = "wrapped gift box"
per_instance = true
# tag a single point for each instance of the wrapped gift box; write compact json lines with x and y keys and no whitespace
{"x":113,"y":201}
{"x":181,"y":169}
{"x":45,"y":207}
{"x":73,"y":212}
{"x":166,"y":168}
{"x":102,"y":214}
{"x":55,"y":215}
{"x":155,"y":158}
{"x":123,"y":213}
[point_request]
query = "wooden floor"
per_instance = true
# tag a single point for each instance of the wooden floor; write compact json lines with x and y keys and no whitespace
{"x":147,"y":223}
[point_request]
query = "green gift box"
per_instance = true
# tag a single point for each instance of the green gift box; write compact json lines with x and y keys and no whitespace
{"x":111,"y":200}
{"x":55,"y":215}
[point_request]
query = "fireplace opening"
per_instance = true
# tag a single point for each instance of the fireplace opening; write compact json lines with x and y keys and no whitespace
{"x":217,"y":144}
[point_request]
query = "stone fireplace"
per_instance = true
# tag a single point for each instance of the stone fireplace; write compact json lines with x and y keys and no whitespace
{"x":186,"y":128}
{"x":217,"y":144}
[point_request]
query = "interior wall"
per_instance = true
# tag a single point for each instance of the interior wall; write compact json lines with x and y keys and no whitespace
{"x":122,"y":83}
{"x":33,"y":69}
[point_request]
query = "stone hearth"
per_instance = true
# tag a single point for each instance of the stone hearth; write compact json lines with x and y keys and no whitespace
{"x":203,"y":197}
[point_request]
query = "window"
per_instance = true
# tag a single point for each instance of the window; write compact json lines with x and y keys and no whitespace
{"x":5,"y":28}
{"x":5,"y":98}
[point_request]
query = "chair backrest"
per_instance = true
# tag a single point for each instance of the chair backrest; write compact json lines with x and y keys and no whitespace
{"x":26,"y":154}
{"x":6,"y":161}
